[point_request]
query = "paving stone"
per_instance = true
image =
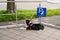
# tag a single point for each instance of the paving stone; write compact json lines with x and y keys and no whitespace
{"x":17,"y":34}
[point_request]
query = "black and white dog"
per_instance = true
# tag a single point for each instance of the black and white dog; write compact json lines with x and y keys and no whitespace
{"x":32,"y":26}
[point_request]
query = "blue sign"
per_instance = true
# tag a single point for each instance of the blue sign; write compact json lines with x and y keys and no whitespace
{"x":41,"y":12}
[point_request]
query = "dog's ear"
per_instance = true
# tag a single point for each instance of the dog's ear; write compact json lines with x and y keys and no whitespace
{"x":27,"y":22}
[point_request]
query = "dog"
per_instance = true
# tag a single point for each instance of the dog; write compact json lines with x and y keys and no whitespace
{"x":32,"y":26}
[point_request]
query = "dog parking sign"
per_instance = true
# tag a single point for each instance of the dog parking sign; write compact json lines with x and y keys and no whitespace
{"x":41,"y":12}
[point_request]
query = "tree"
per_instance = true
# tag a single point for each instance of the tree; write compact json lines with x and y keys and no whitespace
{"x":11,"y":6}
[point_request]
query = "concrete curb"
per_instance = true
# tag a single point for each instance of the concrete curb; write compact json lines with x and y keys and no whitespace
{"x":20,"y":25}
{"x":51,"y":26}
{"x":12,"y":26}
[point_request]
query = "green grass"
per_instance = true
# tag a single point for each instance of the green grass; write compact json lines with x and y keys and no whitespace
{"x":3,"y":12}
{"x":25,"y":14}
{"x":53,"y":12}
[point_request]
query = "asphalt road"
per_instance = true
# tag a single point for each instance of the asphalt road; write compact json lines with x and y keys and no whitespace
{"x":52,"y":20}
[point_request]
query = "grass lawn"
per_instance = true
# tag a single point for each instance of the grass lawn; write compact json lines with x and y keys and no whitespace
{"x":23,"y":14}
{"x":53,"y":12}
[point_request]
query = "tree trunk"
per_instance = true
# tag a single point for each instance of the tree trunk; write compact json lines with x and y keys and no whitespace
{"x":11,"y":6}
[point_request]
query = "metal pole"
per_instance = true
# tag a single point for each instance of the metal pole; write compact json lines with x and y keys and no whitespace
{"x":40,"y":17}
{"x":16,"y":18}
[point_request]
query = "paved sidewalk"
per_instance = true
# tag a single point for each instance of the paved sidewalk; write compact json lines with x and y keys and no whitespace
{"x":17,"y":34}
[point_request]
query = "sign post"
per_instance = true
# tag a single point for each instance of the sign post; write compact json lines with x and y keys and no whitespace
{"x":41,"y":12}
